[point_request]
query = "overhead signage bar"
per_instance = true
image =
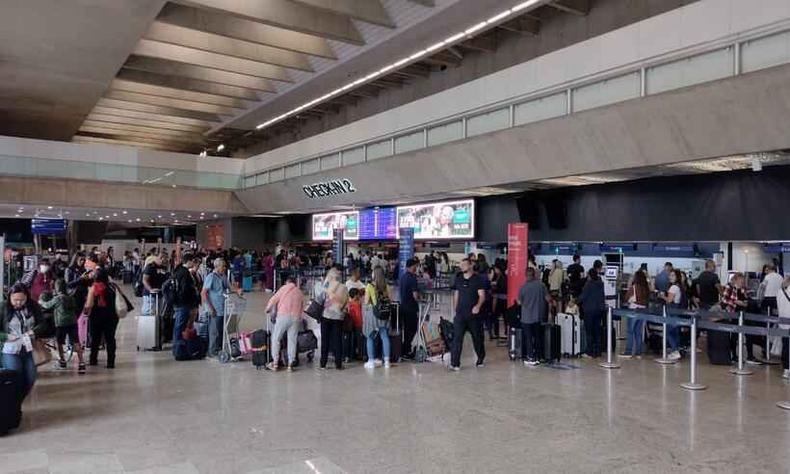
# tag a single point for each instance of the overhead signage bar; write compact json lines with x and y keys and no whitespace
{"x":329,"y":188}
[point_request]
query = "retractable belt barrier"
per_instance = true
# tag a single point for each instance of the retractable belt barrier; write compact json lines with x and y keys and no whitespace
{"x":711,"y":320}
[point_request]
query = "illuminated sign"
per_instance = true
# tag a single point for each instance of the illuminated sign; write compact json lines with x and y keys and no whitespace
{"x":325,"y":224}
{"x":439,"y":220}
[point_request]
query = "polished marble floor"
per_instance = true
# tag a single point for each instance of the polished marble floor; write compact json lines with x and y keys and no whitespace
{"x":155,"y":415}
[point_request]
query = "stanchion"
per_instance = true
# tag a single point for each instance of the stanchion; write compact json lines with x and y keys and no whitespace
{"x":692,"y":384}
{"x":664,"y":360}
{"x":740,"y":370}
{"x":609,"y":364}
{"x":785,"y":404}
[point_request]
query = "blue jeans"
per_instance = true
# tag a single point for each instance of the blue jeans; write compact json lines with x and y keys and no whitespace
{"x":634,"y":336}
{"x":22,"y":363}
{"x":673,"y":338}
{"x":385,"y":343}
{"x":180,"y":320}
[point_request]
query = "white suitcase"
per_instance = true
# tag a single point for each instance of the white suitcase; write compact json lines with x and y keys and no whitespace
{"x":148,"y":327}
{"x":571,"y":329}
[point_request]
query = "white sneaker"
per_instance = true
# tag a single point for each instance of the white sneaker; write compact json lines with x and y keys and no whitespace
{"x":370,"y":365}
{"x":674,"y":355}
{"x":378,"y":363}
{"x":455,"y":369}
{"x":785,"y":373}
{"x":387,"y":364}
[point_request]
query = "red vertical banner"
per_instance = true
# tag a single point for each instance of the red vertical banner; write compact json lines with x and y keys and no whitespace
{"x":517,"y":254}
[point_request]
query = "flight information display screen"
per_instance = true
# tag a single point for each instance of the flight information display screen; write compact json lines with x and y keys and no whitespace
{"x":324,"y":224}
{"x":439,"y":220}
{"x":378,"y":223}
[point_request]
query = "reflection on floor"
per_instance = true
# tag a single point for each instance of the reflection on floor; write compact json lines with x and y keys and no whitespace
{"x":155,"y":415}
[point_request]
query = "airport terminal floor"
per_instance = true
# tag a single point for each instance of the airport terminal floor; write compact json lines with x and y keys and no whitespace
{"x":155,"y":415}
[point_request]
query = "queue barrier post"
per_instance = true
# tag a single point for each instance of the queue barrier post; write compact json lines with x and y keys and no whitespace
{"x":740,"y":370}
{"x":609,"y":364}
{"x":692,"y":384}
{"x":785,"y":404}
{"x":664,"y":360}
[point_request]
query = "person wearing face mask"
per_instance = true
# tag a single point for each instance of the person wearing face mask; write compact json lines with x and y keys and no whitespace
{"x":20,"y":322}
{"x":40,"y":280}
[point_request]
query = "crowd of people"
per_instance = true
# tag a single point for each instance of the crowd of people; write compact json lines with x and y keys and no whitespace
{"x":76,"y":303}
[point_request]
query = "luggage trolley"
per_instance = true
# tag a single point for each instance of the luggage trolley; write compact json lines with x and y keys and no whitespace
{"x":419,"y":343}
{"x":235,"y":306}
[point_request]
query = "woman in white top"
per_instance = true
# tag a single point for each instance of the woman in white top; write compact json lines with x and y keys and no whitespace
{"x":672,"y":299}
{"x":783,"y":305}
{"x":335,"y":301}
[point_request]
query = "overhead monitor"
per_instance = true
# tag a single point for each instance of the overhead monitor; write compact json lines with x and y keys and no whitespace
{"x":439,"y":220}
{"x":324,"y":224}
{"x":378,"y":223}
{"x":48,"y":226}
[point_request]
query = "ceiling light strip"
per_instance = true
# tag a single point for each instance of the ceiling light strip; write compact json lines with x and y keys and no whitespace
{"x":449,"y":41}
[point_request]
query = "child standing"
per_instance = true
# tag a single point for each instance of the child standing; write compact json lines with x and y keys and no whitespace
{"x":64,"y":308}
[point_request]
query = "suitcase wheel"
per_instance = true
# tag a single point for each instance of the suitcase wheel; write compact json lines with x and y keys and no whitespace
{"x":224,"y":357}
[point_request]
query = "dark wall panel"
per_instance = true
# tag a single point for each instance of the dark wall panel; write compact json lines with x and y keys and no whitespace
{"x":741,"y":205}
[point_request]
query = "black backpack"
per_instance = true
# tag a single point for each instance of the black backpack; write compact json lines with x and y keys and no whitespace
{"x":383,"y":307}
{"x":170,"y":289}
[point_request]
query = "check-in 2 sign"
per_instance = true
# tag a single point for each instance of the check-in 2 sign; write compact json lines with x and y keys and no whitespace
{"x":329,"y":188}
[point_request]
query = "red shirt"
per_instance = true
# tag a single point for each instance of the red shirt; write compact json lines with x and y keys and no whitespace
{"x":355,"y":313}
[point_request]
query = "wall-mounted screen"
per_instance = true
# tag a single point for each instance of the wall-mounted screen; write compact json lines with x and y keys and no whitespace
{"x":324,"y":224}
{"x":439,"y":220}
{"x":48,"y":226}
{"x":378,"y":223}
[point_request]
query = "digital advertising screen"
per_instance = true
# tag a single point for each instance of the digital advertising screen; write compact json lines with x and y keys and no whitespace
{"x":439,"y":220}
{"x":378,"y":223}
{"x":324,"y":224}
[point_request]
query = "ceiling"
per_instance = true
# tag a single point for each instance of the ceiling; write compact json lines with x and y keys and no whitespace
{"x":194,"y":75}
{"x":136,"y":217}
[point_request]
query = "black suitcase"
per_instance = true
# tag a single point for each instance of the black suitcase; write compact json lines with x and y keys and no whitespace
{"x":719,"y":347}
{"x":552,"y":342}
{"x":10,"y":408}
{"x":514,"y":343}
{"x":396,"y":337}
{"x":261,"y":352}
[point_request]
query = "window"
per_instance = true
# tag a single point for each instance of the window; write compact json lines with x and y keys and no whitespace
{"x":446,"y":133}
{"x":541,"y":109}
{"x":488,"y":122}
{"x":704,"y":67}
{"x":609,"y":91}
{"x":409,"y":142}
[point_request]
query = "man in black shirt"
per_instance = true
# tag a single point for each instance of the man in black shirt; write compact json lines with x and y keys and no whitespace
{"x":153,"y":278}
{"x":185,"y":298}
{"x":576,"y":276}
{"x":409,"y":308}
{"x":468,"y":298}
{"x":708,"y":286}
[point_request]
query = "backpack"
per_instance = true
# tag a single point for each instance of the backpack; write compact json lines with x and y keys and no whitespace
{"x":170,"y":289}
{"x":138,"y":284}
{"x":383,"y":307}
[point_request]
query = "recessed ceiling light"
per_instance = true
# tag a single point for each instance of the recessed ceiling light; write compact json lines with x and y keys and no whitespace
{"x":138,"y":219}
{"x":68,"y":212}
{"x":221,"y":147}
{"x":215,"y":215}
{"x":174,"y":185}
{"x":16,"y":215}
{"x":87,"y":215}
{"x":49,"y":207}
{"x":129,"y":220}
{"x":172,"y":213}
{"x":158,"y":217}
{"x":115,"y":214}
{"x":125,"y":212}
{"x":189,"y":217}
{"x":101,"y":218}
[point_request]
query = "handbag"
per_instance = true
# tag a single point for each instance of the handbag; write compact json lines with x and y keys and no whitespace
{"x":315,"y":309}
{"x":121,"y":308}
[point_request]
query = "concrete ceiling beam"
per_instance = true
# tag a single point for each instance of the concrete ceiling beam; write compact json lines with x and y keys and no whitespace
{"x":188,"y":84}
{"x":246,"y":30}
{"x":94,"y":121}
{"x":107,"y":140}
{"x":196,"y":39}
{"x":523,"y":25}
{"x":196,"y":57}
{"x":575,"y":7}
{"x":157,"y":109}
{"x":289,"y":15}
{"x":150,"y":89}
{"x":161,"y":119}
{"x":369,"y":11}
{"x":171,"y":68}
{"x":174,"y":103}
{"x":122,"y":132}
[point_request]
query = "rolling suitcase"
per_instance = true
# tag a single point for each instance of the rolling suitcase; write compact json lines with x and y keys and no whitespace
{"x":10,"y":408}
{"x":571,"y":328}
{"x":246,"y":283}
{"x":396,"y":337}
{"x":149,"y":329}
{"x":552,"y":341}
{"x":261,"y":348}
{"x":514,"y":343}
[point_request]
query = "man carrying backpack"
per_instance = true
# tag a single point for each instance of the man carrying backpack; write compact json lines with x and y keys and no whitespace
{"x":180,"y":291}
